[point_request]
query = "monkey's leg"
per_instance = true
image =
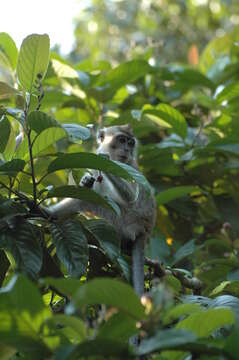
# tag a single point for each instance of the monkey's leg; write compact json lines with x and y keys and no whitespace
{"x":138,"y":265}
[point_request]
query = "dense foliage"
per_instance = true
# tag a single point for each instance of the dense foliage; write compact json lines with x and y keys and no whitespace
{"x":65,"y":285}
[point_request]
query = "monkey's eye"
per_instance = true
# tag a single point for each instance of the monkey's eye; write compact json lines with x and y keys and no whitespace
{"x":131,"y":142}
{"x":122,"y":140}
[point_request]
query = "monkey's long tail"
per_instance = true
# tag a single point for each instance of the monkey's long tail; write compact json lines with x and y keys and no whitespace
{"x":138,"y":265}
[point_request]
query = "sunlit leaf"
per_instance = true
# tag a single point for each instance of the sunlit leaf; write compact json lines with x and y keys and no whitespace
{"x":33,"y":60}
{"x":110,"y":292}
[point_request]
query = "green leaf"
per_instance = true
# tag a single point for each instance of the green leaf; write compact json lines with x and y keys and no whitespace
{"x":11,"y":145}
{"x":204,"y":323}
{"x":119,"y":326}
{"x":99,"y":349}
{"x":71,"y":246}
{"x":110,"y":292}
{"x":179,"y":311}
{"x":9,"y":208}
{"x":66,"y":286}
{"x":174,"y":193}
{"x":122,"y":75}
{"x":33,"y":60}
{"x":77,"y":132}
{"x":227,"y":287}
{"x":169,"y":115}
{"x":7,"y":91}
{"x":165,"y":339}
{"x":76,"y":325}
{"x":8,"y":46}
{"x":87,"y":160}
{"x":105,"y":236}
{"x":81,"y":193}
{"x":45,"y":139}
{"x":187,"y":249}
{"x":21,"y":304}
{"x":229,"y":92}
{"x":23,"y":241}
{"x":5,"y":130}
{"x":39,"y":121}
{"x":12,"y":167}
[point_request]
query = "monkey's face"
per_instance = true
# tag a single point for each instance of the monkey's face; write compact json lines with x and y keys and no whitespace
{"x":122,"y":148}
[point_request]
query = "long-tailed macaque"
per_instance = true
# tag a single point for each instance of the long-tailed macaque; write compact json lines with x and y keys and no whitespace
{"x":137,"y":207}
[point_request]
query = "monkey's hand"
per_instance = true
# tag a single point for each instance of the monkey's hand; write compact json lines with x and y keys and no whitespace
{"x":87,"y":180}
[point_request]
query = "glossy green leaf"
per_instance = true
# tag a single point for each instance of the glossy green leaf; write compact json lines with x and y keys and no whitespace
{"x":81,"y":193}
{"x":10,"y":148}
{"x":100,"y":348}
{"x":21,"y":304}
{"x":5,"y":130}
{"x":8,"y":46}
{"x":184,"y":251}
{"x":33,"y":60}
{"x":71,"y":246}
{"x":119,"y":326}
{"x":110,"y":292}
{"x":40,"y":121}
{"x":6,"y":91}
{"x":68,"y":322}
{"x":165,"y":339}
{"x":66,"y":286}
{"x":125,"y":73}
{"x":179,"y":311}
{"x":204,"y":323}
{"x":227,"y":287}
{"x":168,"y":115}
{"x":23,"y":241}
{"x":12,"y":167}
{"x":87,"y":160}
{"x":77,"y":132}
{"x":45,"y":139}
{"x":105,"y":236}
{"x":229,"y":92}
{"x":174,"y":193}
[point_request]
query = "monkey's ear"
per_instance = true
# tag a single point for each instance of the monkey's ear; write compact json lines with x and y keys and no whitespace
{"x":128,"y":128}
{"x":101,"y":135}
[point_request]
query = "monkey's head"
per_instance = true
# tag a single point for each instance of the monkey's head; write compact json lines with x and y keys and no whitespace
{"x":119,"y":142}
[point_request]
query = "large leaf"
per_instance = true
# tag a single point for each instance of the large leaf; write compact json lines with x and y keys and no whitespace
{"x":119,"y":326}
{"x":170,"y":116}
{"x":10,"y":208}
{"x":66,"y":286}
{"x":8,"y":46}
{"x":12,"y":167}
{"x":23,"y":241}
{"x":22,"y":313}
{"x":174,"y":193}
{"x":184,"y":251}
{"x":87,"y":160}
{"x":77,"y":132}
{"x":205,"y":322}
{"x":229,"y":92}
{"x":46,"y":138}
{"x":71,"y":246}
{"x":110,"y":292}
{"x":123,"y":74}
{"x":81,"y":193}
{"x":33,"y":60}
{"x":98,"y":349}
{"x":39,"y":121}
{"x":105,"y":236}
{"x":165,"y":339}
{"x":5,"y":130}
{"x":6,"y":91}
